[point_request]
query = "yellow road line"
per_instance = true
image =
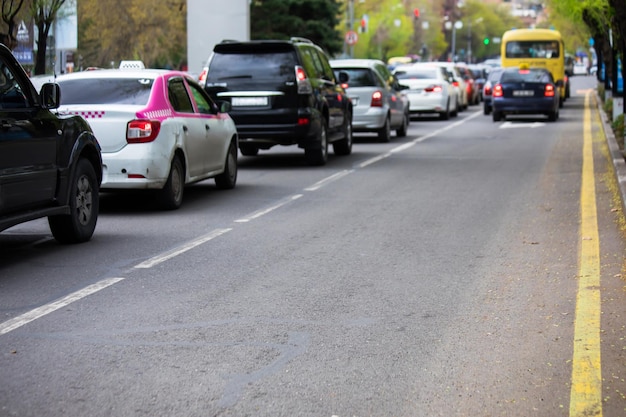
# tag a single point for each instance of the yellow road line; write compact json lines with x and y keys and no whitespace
{"x":586,"y":392}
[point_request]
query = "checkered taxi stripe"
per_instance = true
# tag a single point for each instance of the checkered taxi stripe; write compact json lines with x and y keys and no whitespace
{"x":88,"y":114}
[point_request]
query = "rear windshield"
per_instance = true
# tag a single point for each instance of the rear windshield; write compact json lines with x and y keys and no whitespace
{"x":524,"y":76}
{"x":532,"y":49}
{"x":257,"y":65}
{"x":417,"y":75}
{"x":106,"y":91}
{"x":359,"y":77}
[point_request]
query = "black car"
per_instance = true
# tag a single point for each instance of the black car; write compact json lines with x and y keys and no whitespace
{"x":281,"y":93}
{"x":523,"y":90}
{"x":50,"y":166}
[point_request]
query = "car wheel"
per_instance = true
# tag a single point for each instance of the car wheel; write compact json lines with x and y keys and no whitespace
{"x":497,"y":116}
{"x":344,"y":146}
{"x":402,"y":131}
{"x":486,"y":110}
{"x":455,"y":112}
{"x":171,"y":196}
{"x":79,"y":225}
{"x":384,"y":133}
{"x":248,"y":150}
{"x":227,"y":179}
{"x":318,"y":156}
{"x":445,"y":115}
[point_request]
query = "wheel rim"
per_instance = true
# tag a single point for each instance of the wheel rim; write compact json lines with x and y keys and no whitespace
{"x":84,"y":202}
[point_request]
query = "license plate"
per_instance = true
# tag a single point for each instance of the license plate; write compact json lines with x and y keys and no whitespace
{"x":249,"y":101}
{"x":523,"y":93}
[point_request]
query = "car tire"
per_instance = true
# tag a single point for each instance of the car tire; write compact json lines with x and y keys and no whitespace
{"x":553,"y":116}
{"x":497,"y":116}
{"x":248,"y":150}
{"x":318,"y":156}
{"x":171,"y":195}
{"x":403,"y":130}
{"x":384,"y":133}
{"x":343,"y":147}
{"x":445,"y":115}
{"x":84,"y":202}
{"x":486,"y":110}
{"x":227,"y":179}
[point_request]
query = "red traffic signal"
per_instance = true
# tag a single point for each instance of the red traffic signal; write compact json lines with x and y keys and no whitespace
{"x":363,"y":25}
{"x":416,"y":13}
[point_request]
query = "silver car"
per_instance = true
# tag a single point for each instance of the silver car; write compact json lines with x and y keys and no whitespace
{"x":379,"y":102}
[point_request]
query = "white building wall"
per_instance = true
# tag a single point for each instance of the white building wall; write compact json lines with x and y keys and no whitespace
{"x":211,"y":21}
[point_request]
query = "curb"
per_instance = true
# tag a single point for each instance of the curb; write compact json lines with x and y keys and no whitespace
{"x":619,"y":163}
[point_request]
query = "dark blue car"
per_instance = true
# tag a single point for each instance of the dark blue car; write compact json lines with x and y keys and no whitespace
{"x":523,"y":90}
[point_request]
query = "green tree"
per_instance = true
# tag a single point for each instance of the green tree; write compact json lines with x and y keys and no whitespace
{"x":153,"y":31}
{"x":10,"y":10}
{"x":316,"y":20}
{"x":44,"y":13}
{"x":605,"y":20}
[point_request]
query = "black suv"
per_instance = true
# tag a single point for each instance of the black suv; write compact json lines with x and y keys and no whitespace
{"x":50,"y":166}
{"x":281,"y":93}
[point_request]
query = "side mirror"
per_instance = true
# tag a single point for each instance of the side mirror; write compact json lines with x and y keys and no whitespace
{"x":343,"y":77}
{"x":50,"y":96}
{"x":225,"y":107}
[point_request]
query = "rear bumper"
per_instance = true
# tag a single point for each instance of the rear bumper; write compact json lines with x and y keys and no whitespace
{"x":525,"y":106}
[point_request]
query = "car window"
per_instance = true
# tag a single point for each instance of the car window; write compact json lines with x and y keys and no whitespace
{"x":106,"y":91}
{"x":421,"y":74}
{"x":327,"y":71}
{"x":523,"y":76}
{"x":318,"y":68}
{"x":359,"y":77}
{"x":178,"y":96}
{"x":204,"y":103}
{"x":228,"y":67}
{"x":11,"y":93}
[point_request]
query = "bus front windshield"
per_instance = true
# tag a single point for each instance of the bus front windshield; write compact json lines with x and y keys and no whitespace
{"x":532,"y":49}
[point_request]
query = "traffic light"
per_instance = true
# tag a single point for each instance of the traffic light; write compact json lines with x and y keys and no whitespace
{"x":416,"y":13}
{"x":486,"y":41}
{"x":363,"y":26}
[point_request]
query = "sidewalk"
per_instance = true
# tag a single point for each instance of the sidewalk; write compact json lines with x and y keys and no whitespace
{"x":618,"y":159}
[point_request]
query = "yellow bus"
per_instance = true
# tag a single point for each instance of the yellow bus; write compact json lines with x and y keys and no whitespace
{"x":536,"y":48}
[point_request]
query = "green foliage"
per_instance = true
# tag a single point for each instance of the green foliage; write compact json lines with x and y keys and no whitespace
{"x":316,"y":20}
{"x":608,"y":108}
{"x":618,"y":129}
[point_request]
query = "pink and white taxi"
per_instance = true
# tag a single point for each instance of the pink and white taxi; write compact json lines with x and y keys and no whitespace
{"x":158,"y":130}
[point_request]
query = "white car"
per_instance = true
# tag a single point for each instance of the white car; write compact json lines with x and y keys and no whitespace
{"x":430,"y":90}
{"x":458,"y":82}
{"x":158,"y":130}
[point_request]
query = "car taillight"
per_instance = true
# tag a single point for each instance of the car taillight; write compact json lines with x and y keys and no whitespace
{"x":377,"y":99}
{"x":455,"y":83}
{"x":304,"y":85}
{"x":142,"y":131}
{"x":203,"y":74}
{"x":549,"y":90}
{"x":434,"y":89}
{"x":497,"y":90}
{"x":487,"y":91}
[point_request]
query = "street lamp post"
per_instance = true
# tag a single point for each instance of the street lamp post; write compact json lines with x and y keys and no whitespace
{"x":457,"y":25}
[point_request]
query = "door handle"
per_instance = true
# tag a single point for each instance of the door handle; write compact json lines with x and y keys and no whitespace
{"x":185,"y":129}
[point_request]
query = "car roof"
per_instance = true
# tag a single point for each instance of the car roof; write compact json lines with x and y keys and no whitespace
{"x":355,"y":63}
{"x":118,"y":73}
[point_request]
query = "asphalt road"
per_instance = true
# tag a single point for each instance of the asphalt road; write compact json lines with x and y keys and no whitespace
{"x":448,"y":273}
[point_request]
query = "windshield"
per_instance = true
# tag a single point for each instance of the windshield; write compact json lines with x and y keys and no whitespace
{"x":532,"y":49}
{"x":230,"y":66}
{"x":106,"y":91}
